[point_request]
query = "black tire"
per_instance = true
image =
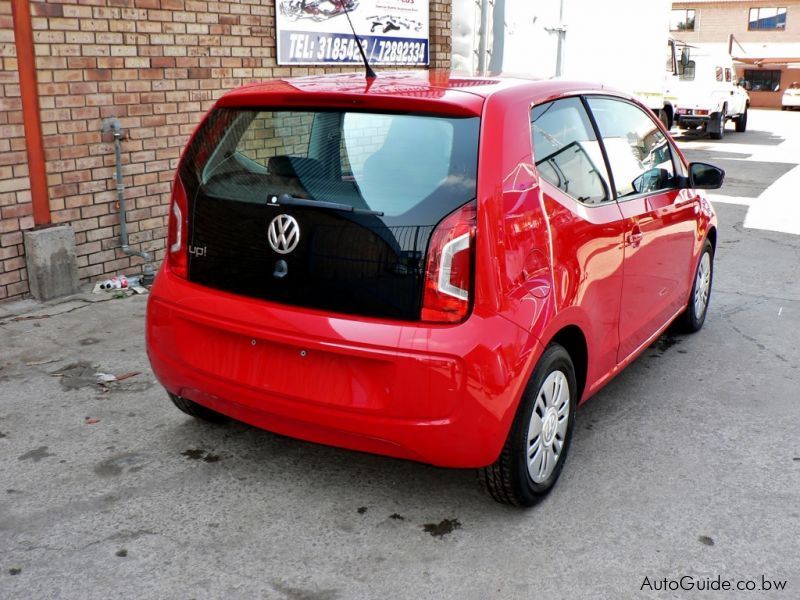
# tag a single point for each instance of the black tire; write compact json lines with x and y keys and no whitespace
{"x":741,"y":121}
{"x":198,"y":411}
{"x":508,"y":480}
{"x":664,"y":118}
{"x":691,"y":319}
{"x":717,"y":130}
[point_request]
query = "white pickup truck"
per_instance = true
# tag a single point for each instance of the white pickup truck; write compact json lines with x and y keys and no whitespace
{"x":707,"y":95}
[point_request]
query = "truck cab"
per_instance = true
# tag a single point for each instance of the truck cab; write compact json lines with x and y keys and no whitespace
{"x":707,"y":94}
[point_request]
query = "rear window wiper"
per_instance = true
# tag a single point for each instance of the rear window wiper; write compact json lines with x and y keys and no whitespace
{"x":289,"y":200}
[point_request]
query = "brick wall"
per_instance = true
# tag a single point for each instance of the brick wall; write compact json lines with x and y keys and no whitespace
{"x":714,"y":21}
{"x":157,"y":65}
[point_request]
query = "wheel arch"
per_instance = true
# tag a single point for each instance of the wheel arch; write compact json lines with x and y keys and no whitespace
{"x":712,"y":237}
{"x":573,"y":340}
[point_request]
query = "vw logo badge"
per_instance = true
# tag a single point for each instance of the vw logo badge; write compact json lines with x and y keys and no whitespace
{"x":283,"y":234}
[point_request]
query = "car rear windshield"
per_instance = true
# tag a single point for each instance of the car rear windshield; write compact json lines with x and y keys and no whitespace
{"x":414,"y":167}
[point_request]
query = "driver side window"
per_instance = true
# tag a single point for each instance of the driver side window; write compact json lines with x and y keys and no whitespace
{"x":638,"y":151}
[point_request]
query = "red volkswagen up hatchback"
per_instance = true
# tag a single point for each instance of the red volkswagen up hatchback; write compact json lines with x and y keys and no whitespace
{"x":424,"y":266}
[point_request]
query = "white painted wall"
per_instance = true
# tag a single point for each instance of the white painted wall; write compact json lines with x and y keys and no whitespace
{"x":621,"y":43}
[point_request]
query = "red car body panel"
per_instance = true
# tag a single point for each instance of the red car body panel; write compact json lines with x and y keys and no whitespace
{"x":440,"y":394}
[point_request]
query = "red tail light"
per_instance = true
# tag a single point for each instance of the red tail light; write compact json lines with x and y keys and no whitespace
{"x":449,"y":268}
{"x":177,"y":230}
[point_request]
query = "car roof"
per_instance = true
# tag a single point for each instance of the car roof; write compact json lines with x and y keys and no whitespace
{"x":428,"y":90}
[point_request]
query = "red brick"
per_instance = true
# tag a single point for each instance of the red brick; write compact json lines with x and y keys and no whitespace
{"x":17,"y":289}
{"x":8,"y":225}
{"x":44,"y":9}
{"x":199,"y":73}
{"x":16,"y":210}
{"x":98,"y":74}
{"x":9,"y":239}
{"x":9,"y":278}
{"x":81,"y":63}
{"x":14,"y":264}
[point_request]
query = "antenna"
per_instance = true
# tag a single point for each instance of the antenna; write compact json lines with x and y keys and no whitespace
{"x":370,"y":72}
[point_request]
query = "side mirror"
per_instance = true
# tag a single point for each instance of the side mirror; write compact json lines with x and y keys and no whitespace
{"x":705,"y":177}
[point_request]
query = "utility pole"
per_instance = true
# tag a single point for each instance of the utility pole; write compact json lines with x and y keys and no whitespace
{"x":483,"y":36}
{"x":561,"y":31}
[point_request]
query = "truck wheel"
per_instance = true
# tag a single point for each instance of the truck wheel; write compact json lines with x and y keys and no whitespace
{"x":193,"y":409}
{"x":716,"y":127}
{"x":741,"y":121}
{"x":537,"y":444}
{"x":664,"y":118}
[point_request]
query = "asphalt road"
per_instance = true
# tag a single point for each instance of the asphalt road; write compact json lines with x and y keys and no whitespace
{"x":687,"y":464}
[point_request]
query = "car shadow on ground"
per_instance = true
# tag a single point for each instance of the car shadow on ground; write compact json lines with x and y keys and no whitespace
{"x":754,"y":137}
{"x":267,"y":459}
{"x":297,"y":469}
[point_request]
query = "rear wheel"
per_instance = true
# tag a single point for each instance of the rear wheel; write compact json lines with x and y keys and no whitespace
{"x":197,"y":411}
{"x":537,"y":445}
{"x":741,"y":121}
{"x":664,"y":118}
{"x":695,"y":314}
{"x":716,"y":127}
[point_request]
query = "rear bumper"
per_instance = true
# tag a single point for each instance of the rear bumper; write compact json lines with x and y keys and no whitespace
{"x":692,"y":119}
{"x":444,"y":395}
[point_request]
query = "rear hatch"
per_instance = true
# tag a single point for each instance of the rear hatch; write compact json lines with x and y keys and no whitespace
{"x":324,"y":209}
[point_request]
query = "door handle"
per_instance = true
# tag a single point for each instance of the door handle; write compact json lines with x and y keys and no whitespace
{"x":634,"y":238}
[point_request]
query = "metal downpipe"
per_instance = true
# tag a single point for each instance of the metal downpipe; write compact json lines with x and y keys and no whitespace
{"x":112,"y":126}
{"x":31,"y":117}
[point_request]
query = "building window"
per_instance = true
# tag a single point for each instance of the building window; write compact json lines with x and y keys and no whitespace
{"x":762,"y":81}
{"x":682,"y":20}
{"x":767,"y":18}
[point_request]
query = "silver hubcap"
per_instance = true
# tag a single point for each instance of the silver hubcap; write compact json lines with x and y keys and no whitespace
{"x":548,"y":427}
{"x":702,"y":285}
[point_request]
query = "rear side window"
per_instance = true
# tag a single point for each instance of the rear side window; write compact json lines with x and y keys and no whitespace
{"x":638,"y":152}
{"x":566,"y":151}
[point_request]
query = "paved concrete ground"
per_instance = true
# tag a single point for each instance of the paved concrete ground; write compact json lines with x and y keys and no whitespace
{"x":687,"y":464}
{"x":761,"y":164}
